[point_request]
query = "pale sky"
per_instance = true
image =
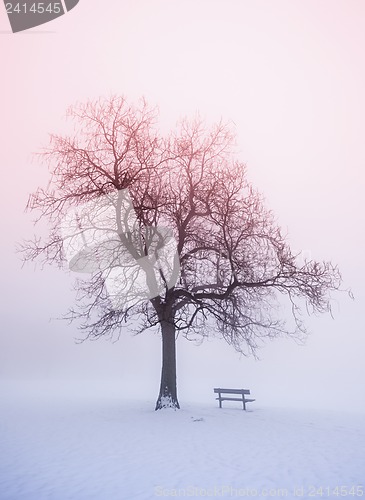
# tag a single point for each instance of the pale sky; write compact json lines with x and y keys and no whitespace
{"x":291,"y":76}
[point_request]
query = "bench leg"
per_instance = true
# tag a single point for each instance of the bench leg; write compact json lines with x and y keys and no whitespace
{"x":243,"y":402}
{"x":220,"y":401}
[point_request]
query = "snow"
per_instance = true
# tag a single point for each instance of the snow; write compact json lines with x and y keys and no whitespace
{"x":63,"y":444}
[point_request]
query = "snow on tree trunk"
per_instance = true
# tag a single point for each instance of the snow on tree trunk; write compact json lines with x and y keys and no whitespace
{"x":168,"y":393}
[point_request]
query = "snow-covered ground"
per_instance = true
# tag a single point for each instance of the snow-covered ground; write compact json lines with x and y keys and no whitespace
{"x":59,"y":445}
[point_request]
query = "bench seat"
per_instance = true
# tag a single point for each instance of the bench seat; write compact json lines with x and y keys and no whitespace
{"x":235,"y":399}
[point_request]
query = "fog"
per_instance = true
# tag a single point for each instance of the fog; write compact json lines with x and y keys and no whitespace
{"x":290,"y":76}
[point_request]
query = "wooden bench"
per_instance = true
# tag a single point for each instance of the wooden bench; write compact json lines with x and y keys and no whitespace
{"x":242,"y":392}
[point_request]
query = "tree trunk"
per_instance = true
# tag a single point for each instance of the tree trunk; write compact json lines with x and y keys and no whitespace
{"x":168,"y":393}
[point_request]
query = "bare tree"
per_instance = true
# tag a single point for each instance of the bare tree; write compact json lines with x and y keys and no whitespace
{"x":233,"y":261}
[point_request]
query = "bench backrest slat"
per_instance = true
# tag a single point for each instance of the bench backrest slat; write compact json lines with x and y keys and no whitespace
{"x":231,"y":391}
